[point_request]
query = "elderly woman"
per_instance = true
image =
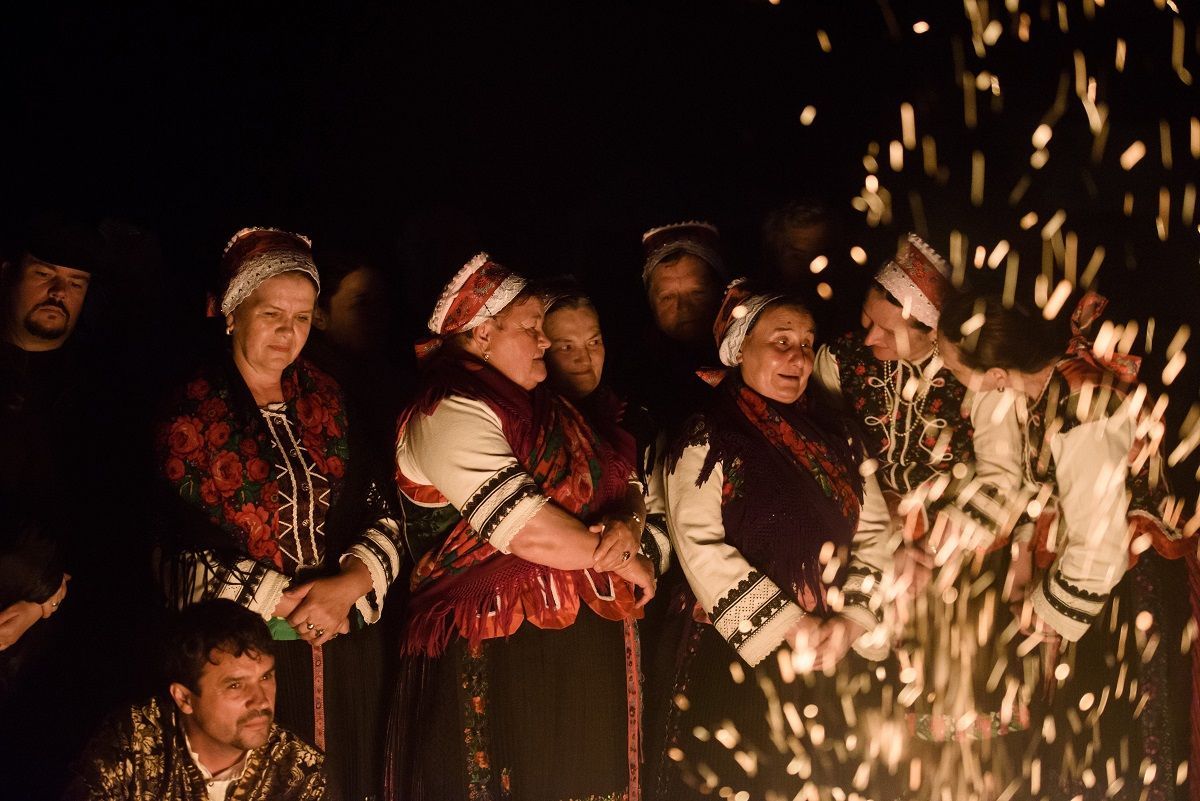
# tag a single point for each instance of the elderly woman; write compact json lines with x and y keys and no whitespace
{"x":784,"y":544}
{"x":575,"y":358}
{"x":520,"y":675}
{"x":1093,"y":481}
{"x":275,"y":508}
{"x":575,"y":363}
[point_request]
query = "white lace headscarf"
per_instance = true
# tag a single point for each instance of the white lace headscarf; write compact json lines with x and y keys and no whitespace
{"x":255,"y":254}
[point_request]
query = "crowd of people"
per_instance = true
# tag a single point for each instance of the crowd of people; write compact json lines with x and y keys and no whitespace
{"x":934,"y":556}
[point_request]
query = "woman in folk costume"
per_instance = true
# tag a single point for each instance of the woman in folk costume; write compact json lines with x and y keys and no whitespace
{"x":784,"y":546}
{"x":1100,"y":545}
{"x":888,"y":380}
{"x":520,"y":669}
{"x":274,"y":504}
{"x":575,"y":362}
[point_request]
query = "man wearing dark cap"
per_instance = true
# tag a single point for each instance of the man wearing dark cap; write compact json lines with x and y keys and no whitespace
{"x":46,"y":292}
{"x":42,"y":291}
{"x":58,"y":447}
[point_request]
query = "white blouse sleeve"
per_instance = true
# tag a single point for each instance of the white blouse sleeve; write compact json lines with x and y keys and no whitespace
{"x":656,"y":543}
{"x":870,"y":558}
{"x":1091,"y":465}
{"x":745,"y":606}
{"x":829,"y":376}
{"x":461,"y":450}
{"x":209,"y":575}
{"x":990,"y":502}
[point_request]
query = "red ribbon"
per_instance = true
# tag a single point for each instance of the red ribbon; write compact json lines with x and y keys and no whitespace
{"x":1089,"y":309}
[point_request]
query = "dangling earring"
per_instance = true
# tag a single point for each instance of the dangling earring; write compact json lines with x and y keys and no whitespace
{"x":486,"y":356}
{"x":229,"y":330}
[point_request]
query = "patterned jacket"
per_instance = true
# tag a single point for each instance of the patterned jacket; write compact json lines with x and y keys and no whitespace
{"x":141,"y":755}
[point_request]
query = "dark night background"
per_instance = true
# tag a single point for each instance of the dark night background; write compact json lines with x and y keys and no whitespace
{"x":552,"y":134}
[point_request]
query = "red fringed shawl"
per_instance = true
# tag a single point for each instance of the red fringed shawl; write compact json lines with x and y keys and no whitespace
{"x":465,"y":587}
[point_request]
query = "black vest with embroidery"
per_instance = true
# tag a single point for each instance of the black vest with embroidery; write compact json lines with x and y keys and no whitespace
{"x":913,"y":439}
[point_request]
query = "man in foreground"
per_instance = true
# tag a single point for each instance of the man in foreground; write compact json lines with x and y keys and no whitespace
{"x":213,"y":736}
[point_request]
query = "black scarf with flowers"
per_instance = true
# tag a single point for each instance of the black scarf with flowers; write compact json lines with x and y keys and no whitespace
{"x":216,"y":453}
{"x":791,"y":484}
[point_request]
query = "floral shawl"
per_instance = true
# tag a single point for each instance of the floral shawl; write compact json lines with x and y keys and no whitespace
{"x":466,"y":587}
{"x":217,"y":453}
{"x":791,"y":484}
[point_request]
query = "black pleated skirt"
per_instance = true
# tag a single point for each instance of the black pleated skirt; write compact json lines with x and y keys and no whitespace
{"x":722,"y":729}
{"x":543,"y":715}
{"x":1124,"y":706}
{"x":354,"y":699}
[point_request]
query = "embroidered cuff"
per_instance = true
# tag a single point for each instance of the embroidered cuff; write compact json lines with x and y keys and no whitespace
{"x":861,"y":590}
{"x":862,"y":603}
{"x":378,"y":552}
{"x":979,"y":511}
{"x":265,"y":596}
{"x":503,"y":505}
{"x":656,"y":544}
{"x":755,"y":617}
{"x":520,"y":514}
{"x":1068,"y":609}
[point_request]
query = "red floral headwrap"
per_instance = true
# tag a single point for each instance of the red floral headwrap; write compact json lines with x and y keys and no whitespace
{"x":739,"y":310}
{"x":918,"y":278}
{"x":477,"y":292}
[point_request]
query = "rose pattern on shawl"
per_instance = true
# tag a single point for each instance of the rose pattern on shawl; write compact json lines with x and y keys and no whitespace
{"x":734,"y":485}
{"x":335,"y":467}
{"x":270,"y":496}
{"x":257,"y":470}
{"x":816,"y":458}
{"x":227,"y":472}
{"x":184,"y":436}
{"x":218,"y":434}
{"x":174,"y":469}
{"x":256,"y":522}
{"x":212,"y":410}
{"x":226,"y":466}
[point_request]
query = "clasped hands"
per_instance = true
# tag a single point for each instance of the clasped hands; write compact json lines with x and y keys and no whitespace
{"x":617,"y":552}
{"x":319,"y":610}
{"x":818,"y":644}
